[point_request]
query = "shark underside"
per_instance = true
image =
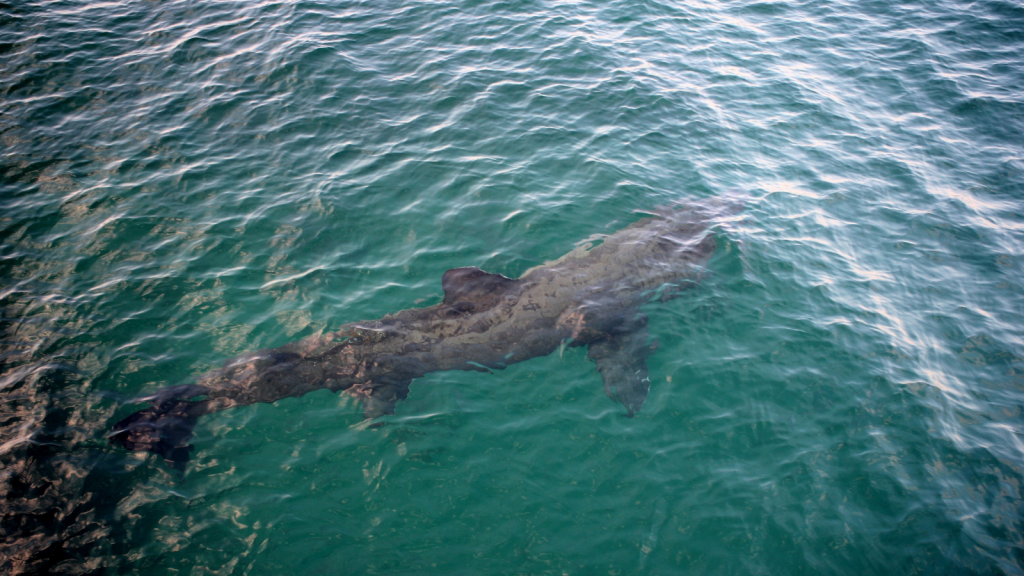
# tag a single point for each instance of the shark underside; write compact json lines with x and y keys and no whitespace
{"x":589,"y":297}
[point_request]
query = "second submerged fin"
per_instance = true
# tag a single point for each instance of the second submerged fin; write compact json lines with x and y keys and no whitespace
{"x":164,"y":429}
{"x":621,"y":358}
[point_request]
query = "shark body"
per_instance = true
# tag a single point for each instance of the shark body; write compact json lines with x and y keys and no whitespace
{"x":589,"y":297}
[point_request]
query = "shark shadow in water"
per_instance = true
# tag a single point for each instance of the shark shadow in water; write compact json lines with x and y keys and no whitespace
{"x":589,"y":297}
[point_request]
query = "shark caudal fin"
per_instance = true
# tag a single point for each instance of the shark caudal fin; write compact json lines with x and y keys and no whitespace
{"x":621,"y":358}
{"x":162,"y":429}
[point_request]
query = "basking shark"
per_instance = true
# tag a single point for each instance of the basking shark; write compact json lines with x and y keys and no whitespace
{"x":590,"y":297}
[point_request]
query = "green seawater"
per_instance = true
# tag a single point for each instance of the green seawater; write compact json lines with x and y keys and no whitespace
{"x":184,"y":181}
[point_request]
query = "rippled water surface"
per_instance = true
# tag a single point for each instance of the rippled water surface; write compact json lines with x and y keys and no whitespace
{"x":183,"y":181}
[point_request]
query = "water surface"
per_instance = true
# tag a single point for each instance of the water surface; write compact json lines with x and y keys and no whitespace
{"x":182,"y":182}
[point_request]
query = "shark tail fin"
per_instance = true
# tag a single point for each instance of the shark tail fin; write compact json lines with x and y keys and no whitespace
{"x":162,"y":429}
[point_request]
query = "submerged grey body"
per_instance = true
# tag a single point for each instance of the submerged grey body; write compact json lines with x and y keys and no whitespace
{"x":589,"y":297}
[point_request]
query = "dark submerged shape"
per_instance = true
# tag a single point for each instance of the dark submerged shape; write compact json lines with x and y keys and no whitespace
{"x":589,"y":297}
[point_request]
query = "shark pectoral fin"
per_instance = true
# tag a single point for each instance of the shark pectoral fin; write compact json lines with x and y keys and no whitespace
{"x":382,"y":399}
{"x":621,"y":359}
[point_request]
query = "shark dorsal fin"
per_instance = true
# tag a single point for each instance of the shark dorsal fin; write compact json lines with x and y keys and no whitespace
{"x":473,"y":288}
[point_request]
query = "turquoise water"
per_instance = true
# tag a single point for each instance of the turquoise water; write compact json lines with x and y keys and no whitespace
{"x":182,"y":182}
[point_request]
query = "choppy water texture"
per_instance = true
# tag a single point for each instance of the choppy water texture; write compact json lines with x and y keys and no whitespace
{"x":184,"y":181}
